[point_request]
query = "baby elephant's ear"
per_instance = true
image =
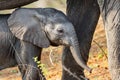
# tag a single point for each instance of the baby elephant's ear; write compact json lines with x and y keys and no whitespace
{"x":27,"y":25}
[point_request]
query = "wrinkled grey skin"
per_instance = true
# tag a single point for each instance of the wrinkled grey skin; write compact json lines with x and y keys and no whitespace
{"x":87,"y":14}
{"x":111,"y":17}
{"x":25,"y":32}
{"x":84,"y":15}
{"x":13,"y":52}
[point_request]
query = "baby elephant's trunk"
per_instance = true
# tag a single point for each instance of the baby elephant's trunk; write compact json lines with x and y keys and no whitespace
{"x":75,"y":49}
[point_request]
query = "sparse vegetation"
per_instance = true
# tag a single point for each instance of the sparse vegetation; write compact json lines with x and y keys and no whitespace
{"x":41,"y":66}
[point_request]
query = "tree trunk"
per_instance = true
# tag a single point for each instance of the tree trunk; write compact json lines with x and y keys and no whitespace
{"x":84,"y":15}
{"x":10,"y":4}
{"x":111,"y":16}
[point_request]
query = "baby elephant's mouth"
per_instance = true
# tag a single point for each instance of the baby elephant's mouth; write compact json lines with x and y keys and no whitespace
{"x":57,"y":42}
{"x":60,"y":42}
{"x":66,"y":43}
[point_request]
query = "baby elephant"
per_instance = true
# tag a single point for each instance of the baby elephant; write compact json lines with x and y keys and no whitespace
{"x":25,"y":32}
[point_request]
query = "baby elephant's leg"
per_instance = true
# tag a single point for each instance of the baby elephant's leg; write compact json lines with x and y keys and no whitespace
{"x":27,"y":66}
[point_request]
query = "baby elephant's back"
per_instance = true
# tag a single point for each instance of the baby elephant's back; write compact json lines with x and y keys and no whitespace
{"x":3,"y":23}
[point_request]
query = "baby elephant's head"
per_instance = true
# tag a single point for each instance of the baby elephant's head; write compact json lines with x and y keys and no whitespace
{"x":60,"y":33}
{"x":42,"y":27}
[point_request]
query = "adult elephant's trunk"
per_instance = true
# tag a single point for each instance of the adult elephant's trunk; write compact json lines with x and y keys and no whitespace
{"x":75,"y":49}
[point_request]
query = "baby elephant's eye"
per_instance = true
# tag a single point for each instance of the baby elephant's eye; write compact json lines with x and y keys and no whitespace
{"x":60,"y":30}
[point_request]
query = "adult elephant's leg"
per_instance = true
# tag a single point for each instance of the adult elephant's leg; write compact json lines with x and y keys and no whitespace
{"x":84,"y":15}
{"x":25,"y":52}
{"x":111,"y":16}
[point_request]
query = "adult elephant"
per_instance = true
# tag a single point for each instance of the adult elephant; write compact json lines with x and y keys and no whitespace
{"x":84,"y":14}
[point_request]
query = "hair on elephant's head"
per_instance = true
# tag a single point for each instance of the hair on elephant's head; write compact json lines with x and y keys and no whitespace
{"x":43,"y":27}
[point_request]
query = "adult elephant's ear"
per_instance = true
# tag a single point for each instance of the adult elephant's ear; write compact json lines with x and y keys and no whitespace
{"x":28,"y":25}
